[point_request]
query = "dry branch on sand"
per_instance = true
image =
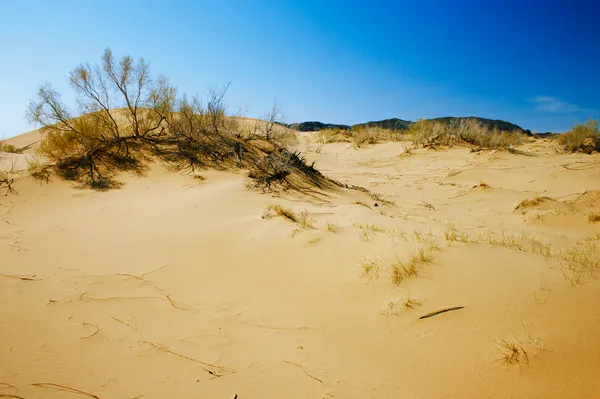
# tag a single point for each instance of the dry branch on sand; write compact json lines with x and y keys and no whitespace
{"x":65,"y":388}
{"x":305,"y":372}
{"x":215,"y":369}
{"x":437,"y":312}
{"x":28,"y":277}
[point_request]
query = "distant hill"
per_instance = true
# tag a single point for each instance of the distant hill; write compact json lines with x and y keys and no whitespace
{"x":314,"y":126}
{"x":392,"y":124}
{"x":401,"y":124}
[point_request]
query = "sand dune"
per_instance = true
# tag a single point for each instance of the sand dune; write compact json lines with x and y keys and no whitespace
{"x":173,"y":287}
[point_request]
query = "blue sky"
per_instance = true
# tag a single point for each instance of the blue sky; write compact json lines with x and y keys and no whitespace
{"x":534,"y":63}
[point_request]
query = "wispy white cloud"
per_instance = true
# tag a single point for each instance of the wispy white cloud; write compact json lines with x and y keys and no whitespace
{"x":554,"y":104}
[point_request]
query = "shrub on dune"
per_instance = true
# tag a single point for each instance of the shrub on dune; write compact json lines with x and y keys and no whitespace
{"x":127,"y":118}
{"x":581,"y":138}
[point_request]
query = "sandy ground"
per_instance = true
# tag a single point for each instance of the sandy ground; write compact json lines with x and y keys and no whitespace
{"x":173,"y":287}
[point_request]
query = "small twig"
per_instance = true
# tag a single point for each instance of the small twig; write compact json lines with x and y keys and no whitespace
{"x":5,"y":385}
{"x":85,"y":323}
{"x":305,"y":372}
{"x":28,"y":277}
{"x":7,"y":395}
{"x":165,"y":295}
{"x":83,"y":297}
{"x":64,"y":388}
{"x":167,"y":350}
{"x":125,"y":324}
{"x":437,"y":312}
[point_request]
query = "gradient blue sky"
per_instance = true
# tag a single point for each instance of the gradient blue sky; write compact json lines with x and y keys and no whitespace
{"x":534,"y":63}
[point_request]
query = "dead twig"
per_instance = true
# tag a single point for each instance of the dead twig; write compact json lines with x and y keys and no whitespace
{"x":84,"y":297}
{"x":437,"y":312}
{"x":167,"y":350}
{"x":28,"y":277}
{"x":305,"y":372}
{"x":162,"y":292}
{"x":7,"y":395}
{"x":5,"y":385}
{"x":64,"y":388}
{"x":125,"y":324}
{"x":85,"y":323}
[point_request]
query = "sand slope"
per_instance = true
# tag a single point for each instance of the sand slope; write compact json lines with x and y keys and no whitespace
{"x":173,"y":287}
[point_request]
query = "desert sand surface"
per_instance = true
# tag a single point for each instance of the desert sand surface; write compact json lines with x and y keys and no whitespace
{"x":181,"y":287}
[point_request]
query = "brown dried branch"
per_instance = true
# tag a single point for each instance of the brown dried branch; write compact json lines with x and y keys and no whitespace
{"x":167,"y":350}
{"x":162,"y":292}
{"x":437,"y":312}
{"x":85,"y":323}
{"x":64,"y":388}
{"x":27,"y":277}
{"x":305,"y":372}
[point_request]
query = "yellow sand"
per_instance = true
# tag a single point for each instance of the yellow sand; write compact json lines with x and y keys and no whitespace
{"x":174,"y":287}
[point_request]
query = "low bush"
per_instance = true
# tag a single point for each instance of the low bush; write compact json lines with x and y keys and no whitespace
{"x":581,"y":138}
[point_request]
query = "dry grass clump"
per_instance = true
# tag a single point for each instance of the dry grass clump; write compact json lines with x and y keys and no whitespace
{"x":519,"y":349}
{"x":452,"y":234}
{"x":370,"y":268}
{"x":358,"y":137}
{"x":532,"y":202}
{"x":580,"y":262}
{"x":305,"y":220}
{"x":281,"y":211}
{"x":334,"y":135}
{"x":512,"y":352}
{"x":407,"y":303}
{"x":581,"y":138}
{"x":432,"y":133}
{"x":370,"y":226}
{"x":332,"y":227}
{"x":521,"y":242}
{"x":470,"y":131}
{"x":594,"y":217}
{"x":302,"y":218}
{"x":483,"y":185}
{"x":402,"y":270}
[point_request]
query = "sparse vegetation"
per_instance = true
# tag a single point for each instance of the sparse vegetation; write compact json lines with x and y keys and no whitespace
{"x":127,"y":118}
{"x":532,"y":202}
{"x":359,"y":136}
{"x":332,"y":227}
{"x":302,"y":218}
{"x":7,"y":180}
{"x":432,"y":133}
{"x":519,"y":349}
{"x":408,"y":303}
{"x":402,"y":270}
{"x":370,"y":268}
{"x":581,"y":138}
{"x":512,"y":352}
{"x":580,"y":262}
{"x":594,"y":217}
{"x":10,"y":148}
{"x":281,"y":211}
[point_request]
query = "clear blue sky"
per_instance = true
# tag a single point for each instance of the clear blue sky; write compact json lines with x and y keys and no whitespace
{"x":534,"y":63}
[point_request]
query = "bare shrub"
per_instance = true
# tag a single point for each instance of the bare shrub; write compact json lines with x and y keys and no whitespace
{"x":126,"y":110}
{"x":7,"y":179}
